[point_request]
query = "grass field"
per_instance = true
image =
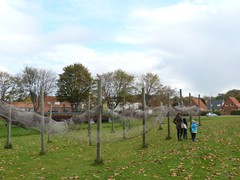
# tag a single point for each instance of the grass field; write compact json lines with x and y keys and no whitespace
{"x":214,"y":155}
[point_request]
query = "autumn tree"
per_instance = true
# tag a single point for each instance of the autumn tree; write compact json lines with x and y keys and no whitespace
{"x":31,"y":81}
{"x":151,"y":83}
{"x":234,"y":93}
{"x":162,"y":94}
{"x":116,"y":85}
{"x":74,"y":85}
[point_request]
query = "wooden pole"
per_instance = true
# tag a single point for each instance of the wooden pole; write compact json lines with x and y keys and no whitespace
{"x":89,"y":122}
{"x":113,"y":129}
{"x":42,"y":122}
{"x":50,"y":125}
{"x":168,"y":116}
{"x":199,"y":114}
{"x":9,"y":126}
{"x":124,"y":120}
{"x":190,"y":104}
{"x":181,"y":103}
{"x":99,"y":125}
{"x":144,"y":118}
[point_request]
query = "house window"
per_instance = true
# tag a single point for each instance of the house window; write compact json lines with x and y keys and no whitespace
{"x":231,"y":104}
{"x":57,"y":103}
{"x":226,"y":105}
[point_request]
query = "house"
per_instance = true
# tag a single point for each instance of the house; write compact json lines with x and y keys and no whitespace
{"x":230,"y":104}
{"x":48,"y":101}
{"x":23,"y":106}
{"x":215,"y":105}
{"x":199,"y":102}
{"x":56,"y":105}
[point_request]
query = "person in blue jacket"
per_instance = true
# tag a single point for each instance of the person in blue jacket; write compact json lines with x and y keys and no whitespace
{"x":194,"y":130}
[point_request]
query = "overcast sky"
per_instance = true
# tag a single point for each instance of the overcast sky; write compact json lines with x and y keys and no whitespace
{"x":192,"y":45}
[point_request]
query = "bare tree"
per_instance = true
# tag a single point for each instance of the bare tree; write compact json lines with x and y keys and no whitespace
{"x":116,"y":85}
{"x":164,"y":92}
{"x":152,"y":85}
{"x":33,"y":79}
{"x":5,"y":85}
{"x":108,"y":89}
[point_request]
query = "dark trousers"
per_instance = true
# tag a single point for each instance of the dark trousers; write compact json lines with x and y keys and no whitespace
{"x":193,"y":136}
{"x":179,"y":134}
{"x":184,"y":133}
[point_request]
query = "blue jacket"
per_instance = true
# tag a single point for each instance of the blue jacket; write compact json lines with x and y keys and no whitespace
{"x":194,"y":127}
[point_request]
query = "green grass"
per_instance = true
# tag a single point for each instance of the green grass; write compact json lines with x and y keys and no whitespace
{"x":15,"y":131}
{"x":214,"y":155}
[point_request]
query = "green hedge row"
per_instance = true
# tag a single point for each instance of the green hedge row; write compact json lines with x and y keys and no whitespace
{"x":235,"y":112}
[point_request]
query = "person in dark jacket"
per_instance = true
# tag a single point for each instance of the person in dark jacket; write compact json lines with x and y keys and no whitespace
{"x":178,"y":121}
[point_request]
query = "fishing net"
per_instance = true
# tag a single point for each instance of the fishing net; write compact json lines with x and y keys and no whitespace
{"x":32,"y":120}
{"x":126,"y":122}
{"x":192,"y":110}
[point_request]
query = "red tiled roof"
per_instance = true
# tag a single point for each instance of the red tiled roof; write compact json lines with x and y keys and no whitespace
{"x":22,"y":105}
{"x":49,"y":100}
{"x":235,"y":101}
{"x":202,"y":105}
{"x":53,"y":100}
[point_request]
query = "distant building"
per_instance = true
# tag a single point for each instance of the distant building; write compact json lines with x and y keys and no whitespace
{"x":24,"y":106}
{"x":230,"y":104}
{"x":56,"y":105}
{"x":199,"y":102}
{"x":48,"y":101}
{"x":215,"y":105}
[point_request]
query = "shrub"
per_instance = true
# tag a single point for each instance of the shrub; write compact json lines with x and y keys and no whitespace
{"x":235,"y":112}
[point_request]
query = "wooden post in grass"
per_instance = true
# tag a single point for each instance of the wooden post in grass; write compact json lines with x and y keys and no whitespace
{"x":199,"y":114}
{"x":50,"y":125}
{"x":144,"y":118}
{"x":42,"y":152}
{"x":9,"y":124}
{"x":168,"y":116}
{"x":181,"y":102}
{"x":89,"y":121}
{"x":190,"y":104}
{"x":113,"y":129}
{"x":124,"y":120}
{"x":99,"y":125}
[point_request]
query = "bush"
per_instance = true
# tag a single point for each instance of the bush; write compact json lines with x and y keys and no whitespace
{"x":203,"y":113}
{"x":235,"y":112}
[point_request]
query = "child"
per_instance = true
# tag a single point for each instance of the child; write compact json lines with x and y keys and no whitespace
{"x":194,"y":130}
{"x":184,"y":127}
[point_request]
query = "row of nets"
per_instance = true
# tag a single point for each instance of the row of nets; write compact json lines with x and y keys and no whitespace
{"x":127,"y":122}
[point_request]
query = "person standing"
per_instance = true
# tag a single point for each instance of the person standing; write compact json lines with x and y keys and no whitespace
{"x":178,"y":121}
{"x":194,"y":130}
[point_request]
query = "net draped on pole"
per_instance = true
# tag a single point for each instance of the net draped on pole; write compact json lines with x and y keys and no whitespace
{"x":155,"y":116}
{"x":32,"y":120}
